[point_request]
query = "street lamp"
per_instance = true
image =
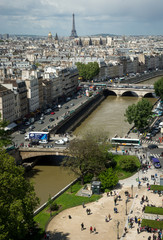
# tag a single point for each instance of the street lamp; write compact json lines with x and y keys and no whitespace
{"x":132,"y":190}
{"x":118,"y":229}
{"x":126,"y":206}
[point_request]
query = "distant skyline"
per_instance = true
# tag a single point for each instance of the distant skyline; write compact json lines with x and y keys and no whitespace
{"x":119,"y":17}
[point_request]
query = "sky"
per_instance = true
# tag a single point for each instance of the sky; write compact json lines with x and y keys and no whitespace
{"x":120,"y":17}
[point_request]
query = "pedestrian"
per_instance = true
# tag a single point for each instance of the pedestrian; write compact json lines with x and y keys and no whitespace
{"x":83,"y":205}
{"x":94,"y":230}
{"x":149,"y":238}
{"x":125,"y":229}
{"x":91,"y":229}
{"x":69,"y":216}
{"x":136,"y":220}
{"x":109,"y":216}
{"x":138,"y":231}
{"x":106,"y":219}
{"x":111,"y":193}
{"x":115,"y":201}
{"x":82,"y":226}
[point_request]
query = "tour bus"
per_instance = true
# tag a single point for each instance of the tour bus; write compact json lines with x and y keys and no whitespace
{"x":126,"y":141}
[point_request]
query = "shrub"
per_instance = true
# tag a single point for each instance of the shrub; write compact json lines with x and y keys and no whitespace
{"x":54,"y":206}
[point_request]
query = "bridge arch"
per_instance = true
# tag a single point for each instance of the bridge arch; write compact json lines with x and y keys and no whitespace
{"x":129,"y":93}
{"x":149,"y":95}
{"x":107,"y":92}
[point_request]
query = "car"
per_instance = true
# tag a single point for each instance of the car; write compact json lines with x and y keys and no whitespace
{"x":157,"y":165}
{"x":42,"y":118}
{"x":161,"y":155}
{"x":72,"y":104}
{"x":22,"y":131}
{"x":51,"y":119}
{"x":60,"y":142}
{"x":65,"y":139}
{"x":27,"y":123}
{"x":66,"y":107}
{"x":40,"y":121}
{"x":152,"y":146}
{"x":148,"y":136}
{"x":52,"y":113}
{"x":138,"y":147}
{"x":31,"y":127}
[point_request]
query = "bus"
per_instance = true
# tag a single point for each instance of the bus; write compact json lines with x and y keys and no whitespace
{"x":126,"y":141}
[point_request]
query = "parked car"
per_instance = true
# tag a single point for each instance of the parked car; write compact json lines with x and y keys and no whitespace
{"x":31,"y":127}
{"x":60,"y":142}
{"x":22,"y":131}
{"x":52,"y":113}
{"x":40,"y":121}
{"x":161,"y":155}
{"x":51,"y":119}
{"x":66,"y":107}
{"x":27,"y":123}
{"x":152,"y":146}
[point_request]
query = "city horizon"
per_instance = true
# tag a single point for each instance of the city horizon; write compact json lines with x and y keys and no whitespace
{"x":140,"y":18}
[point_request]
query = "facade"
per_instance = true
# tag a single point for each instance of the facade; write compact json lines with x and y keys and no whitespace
{"x":7,"y":108}
{"x":32,"y":93}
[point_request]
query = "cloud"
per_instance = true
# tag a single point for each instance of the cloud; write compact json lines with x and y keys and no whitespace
{"x":91,"y":16}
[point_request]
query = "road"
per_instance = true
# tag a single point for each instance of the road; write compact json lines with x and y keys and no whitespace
{"x":57,"y":116}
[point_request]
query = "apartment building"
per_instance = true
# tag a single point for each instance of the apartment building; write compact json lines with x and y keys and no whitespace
{"x":7,"y":108}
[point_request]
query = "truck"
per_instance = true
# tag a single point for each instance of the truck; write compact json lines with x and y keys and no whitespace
{"x":42,"y":137}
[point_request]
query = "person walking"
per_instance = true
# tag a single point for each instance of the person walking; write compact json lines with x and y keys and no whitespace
{"x":94,"y":230}
{"x":91,"y":229}
{"x":82,"y":226}
{"x":109,"y":216}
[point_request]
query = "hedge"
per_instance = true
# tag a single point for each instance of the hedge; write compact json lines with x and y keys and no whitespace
{"x":154,"y":210}
{"x":152,"y":223}
{"x":156,"y":187}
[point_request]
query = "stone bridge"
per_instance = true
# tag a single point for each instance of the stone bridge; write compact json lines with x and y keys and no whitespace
{"x":26,"y":153}
{"x":135,"y":90}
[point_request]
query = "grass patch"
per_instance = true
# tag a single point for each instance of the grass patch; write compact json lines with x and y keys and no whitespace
{"x":154,"y":210}
{"x":67,"y":200}
{"x":152,"y":223}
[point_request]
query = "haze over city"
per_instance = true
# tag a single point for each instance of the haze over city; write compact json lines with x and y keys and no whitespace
{"x":121,"y":17}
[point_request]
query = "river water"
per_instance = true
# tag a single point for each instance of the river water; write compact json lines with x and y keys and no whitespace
{"x":48,"y":177}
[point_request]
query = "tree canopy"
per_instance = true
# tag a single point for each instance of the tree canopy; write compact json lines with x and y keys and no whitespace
{"x":5,"y":138}
{"x":108,"y":179}
{"x":139,"y":114}
{"x":17,"y":200}
{"x":158,"y":86}
{"x":88,"y":71}
{"x":87,"y":155}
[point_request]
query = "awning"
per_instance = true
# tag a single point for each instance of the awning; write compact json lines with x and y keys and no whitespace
{"x":10,"y":126}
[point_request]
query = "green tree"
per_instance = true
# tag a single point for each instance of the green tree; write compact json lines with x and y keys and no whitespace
{"x":158,"y":86}
{"x":108,"y":179}
{"x":139,"y":114}
{"x":5,"y":137}
{"x":88,"y":71}
{"x":129,"y":163}
{"x":17,"y":200}
{"x":87,"y":155}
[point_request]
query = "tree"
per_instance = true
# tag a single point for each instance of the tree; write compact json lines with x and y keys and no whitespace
{"x":139,"y":114}
{"x":88,"y":71}
{"x":108,"y":179}
{"x":17,"y":200}
{"x":158,"y":86}
{"x":5,"y":138}
{"x":129,"y":163}
{"x":87,"y":155}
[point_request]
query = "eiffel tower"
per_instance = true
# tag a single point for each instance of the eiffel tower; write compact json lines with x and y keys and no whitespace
{"x":73,"y":32}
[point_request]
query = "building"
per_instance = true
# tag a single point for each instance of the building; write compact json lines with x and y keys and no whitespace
{"x":7,"y":108}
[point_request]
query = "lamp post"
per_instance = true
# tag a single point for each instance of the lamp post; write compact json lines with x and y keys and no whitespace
{"x":118,"y":229}
{"x":126,"y":206}
{"x":132,"y":190}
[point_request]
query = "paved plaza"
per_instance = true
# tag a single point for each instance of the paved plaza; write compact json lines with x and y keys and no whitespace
{"x":62,"y":227}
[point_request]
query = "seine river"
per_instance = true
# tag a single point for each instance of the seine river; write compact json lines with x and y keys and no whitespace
{"x":49,"y":178}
